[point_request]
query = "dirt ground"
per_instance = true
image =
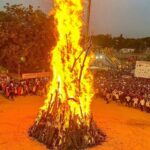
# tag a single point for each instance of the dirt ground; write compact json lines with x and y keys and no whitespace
{"x":126,"y":128}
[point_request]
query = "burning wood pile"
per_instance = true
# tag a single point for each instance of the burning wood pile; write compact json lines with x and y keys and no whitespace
{"x":61,"y":129}
{"x":65,"y":121}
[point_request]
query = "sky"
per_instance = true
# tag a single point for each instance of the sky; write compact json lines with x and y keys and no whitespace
{"x":127,"y":17}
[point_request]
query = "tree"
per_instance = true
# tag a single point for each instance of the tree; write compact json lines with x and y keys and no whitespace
{"x":120,"y":42}
{"x":103,"y":40}
{"x":26,"y":38}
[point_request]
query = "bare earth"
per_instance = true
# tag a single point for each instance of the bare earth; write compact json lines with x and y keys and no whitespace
{"x":126,"y":128}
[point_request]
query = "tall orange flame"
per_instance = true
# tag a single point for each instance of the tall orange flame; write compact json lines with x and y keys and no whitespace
{"x":70,"y":74}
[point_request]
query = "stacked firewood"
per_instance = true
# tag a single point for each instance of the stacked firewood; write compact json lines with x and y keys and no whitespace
{"x":60,"y":129}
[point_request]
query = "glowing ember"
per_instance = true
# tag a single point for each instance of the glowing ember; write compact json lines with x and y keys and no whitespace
{"x":67,"y":108}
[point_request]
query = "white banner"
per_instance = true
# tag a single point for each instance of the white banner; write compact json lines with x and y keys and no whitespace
{"x":142,"y":69}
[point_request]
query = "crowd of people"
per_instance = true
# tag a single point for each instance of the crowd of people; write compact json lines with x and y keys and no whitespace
{"x":122,"y":87}
{"x":12,"y":88}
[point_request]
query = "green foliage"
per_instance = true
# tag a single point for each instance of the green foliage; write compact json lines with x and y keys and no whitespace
{"x":26,"y":38}
{"x":103,"y":40}
{"x":121,"y":42}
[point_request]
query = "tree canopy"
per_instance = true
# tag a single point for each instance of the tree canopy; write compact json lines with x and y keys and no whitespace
{"x":26,"y":38}
{"x":121,"y":42}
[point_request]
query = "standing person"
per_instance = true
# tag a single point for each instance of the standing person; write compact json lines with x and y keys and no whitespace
{"x":19,"y":90}
{"x":142,"y":103}
{"x":34,"y":89}
{"x":7,"y":91}
{"x":128,"y":99}
{"x":147,"y":105}
{"x":25,"y":89}
{"x":22,"y":90}
{"x":122,"y":97}
{"x":108,"y":96}
{"x":15,"y":90}
{"x":11,"y":91}
{"x":3,"y":87}
{"x":135,"y":102}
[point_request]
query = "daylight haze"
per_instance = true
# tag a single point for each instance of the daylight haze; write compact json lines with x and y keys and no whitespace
{"x":129,"y":17}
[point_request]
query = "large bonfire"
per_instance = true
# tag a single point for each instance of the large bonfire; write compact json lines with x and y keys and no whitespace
{"x":65,"y":121}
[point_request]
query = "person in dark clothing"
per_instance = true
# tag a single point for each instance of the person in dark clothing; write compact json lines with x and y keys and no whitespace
{"x":11,"y":91}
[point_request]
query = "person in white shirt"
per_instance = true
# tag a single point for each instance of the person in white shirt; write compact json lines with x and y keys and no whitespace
{"x":135,"y":102}
{"x":142,"y":103}
{"x":147,"y":106}
{"x":128,"y":99}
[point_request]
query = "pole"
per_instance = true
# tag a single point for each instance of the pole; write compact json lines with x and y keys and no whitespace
{"x":88,"y":18}
{"x":19,"y":71}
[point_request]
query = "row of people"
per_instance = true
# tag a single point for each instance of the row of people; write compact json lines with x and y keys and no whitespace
{"x":126,"y":99}
{"x":123,"y":87}
{"x":11,"y":88}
